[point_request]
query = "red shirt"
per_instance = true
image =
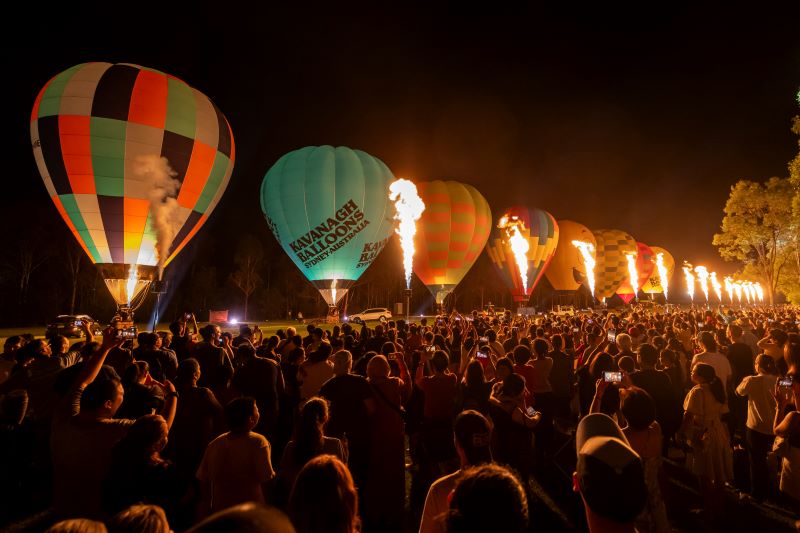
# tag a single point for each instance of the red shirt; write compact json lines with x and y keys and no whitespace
{"x":440,"y":393}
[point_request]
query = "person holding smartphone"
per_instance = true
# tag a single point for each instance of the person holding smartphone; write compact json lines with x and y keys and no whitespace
{"x":513,"y":423}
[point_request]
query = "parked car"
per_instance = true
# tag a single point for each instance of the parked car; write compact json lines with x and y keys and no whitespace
{"x":375,"y":313}
{"x":72,"y":326}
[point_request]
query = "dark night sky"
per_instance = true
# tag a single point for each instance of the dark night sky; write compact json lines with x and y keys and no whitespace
{"x":640,"y":124}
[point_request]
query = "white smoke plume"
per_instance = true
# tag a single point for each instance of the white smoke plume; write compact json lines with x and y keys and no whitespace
{"x":162,"y":191}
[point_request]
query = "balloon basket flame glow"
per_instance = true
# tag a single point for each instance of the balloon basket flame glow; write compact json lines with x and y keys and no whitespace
{"x":409,"y":207}
{"x":519,"y":246}
{"x":587,"y":252}
{"x":127,"y":284}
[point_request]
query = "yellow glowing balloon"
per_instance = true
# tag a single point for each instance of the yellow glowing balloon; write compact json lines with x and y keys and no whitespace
{"x":567,"y":271}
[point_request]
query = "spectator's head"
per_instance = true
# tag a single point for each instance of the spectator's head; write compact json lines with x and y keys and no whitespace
{"x":766,"y":364}
{"x":12,"y":344}
{"x":342,"y":362}
{"x":779,"y":336}
{"x":707,"y":341}
{"x":148,"y":435}
{"x":473,"y":438}
{"x":245,"y":518}
{"x":624,"y":342}
{"x":378,"y":367}
{"x":241,"y":414}
{"x":135,"y":373}
{"x":627,"y":364}
{"x":59,"y":344}
{"x":638,"y":408}
{"x":648,"y":356}
{"x":488,"y":498}
{"x":558,"y":341}
{"x":388,"y":348}
{"x":440,"y":360}
{"x":513,"y":386}
{"x":188,"y":372}
{"x":609,"y":475}
{"x":703,"y":373}
{"x":492,"y":335}
{"x":521,"y":354}
{"x":322,"y":353}
{"x":602,"y":362}
{"x":77,"y":525}
{"x":139,"y":519}
{"x":324,"y":497}
{"x":209,"y":333}
{"x":504,"y":368}
{"x":540,"y":348}
{"x":245,"y":351}
{"x":668,"y":359}
{"x":102,"y":397}
{"x":474,"y":375}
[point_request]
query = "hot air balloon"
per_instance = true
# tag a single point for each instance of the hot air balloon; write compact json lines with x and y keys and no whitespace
{"x":539,"y":237}
{"x":329,"y":209}
{"x":612,"y":265}
{"x":567,"y":270}
{"x":645,"y":265}
{"x":135,"y":161}
{"x":451,"y":234}
{"x":654,"y":285}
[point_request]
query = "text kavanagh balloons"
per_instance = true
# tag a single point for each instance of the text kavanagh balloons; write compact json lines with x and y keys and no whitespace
{"x":329,"y":209}
{"x":450,"y":235}
{"x":135,"y":160}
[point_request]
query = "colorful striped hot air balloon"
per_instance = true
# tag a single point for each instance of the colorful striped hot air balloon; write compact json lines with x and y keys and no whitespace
{"x":654,"y":284}
{"x":451,"y":234}
{"x":539,"y":230}
{"x":567,"y":270}
{"x":329,"y":209}
{"x":645,"y":265}
{"x":612,"y":265}
{"x":135,"y":161}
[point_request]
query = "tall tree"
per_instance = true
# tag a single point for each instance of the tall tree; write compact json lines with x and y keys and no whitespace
{"x":246,"y":278}
{"x":757,"y":228}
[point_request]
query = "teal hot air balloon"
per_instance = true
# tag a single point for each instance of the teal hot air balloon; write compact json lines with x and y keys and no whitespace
{"x":329,"y":209}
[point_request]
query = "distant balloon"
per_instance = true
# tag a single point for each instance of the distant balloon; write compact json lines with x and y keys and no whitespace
{"x":540,"y":230}
{"x":654,"y":284}
{"x":645,"y":266}
{"x":329,"y":209}
{"x":135,"y":161}
{"x":567,"y":270}
{"x":451,"y":234}
{"x":612,"y":265}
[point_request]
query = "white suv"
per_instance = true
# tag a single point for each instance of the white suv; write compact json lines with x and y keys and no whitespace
{"x":376,"y":313}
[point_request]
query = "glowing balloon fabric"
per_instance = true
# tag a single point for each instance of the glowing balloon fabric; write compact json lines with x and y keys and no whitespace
{"x":329,"y":209}
{"x":541,"y":230}
{"x":612,"y":266}
{"x":135,"y":161}
{"x":567,"y":270}
{"x":451,"y":234}
{"x":645,"y":266}
{"x":654,"y":285}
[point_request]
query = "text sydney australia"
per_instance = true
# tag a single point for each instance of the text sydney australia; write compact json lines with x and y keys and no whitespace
{"x":331,"y":235}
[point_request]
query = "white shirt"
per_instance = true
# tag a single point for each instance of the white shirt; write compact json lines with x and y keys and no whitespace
{"x":434,"y":514}
{"x":760,"y":401}
{"x":721,"y":365}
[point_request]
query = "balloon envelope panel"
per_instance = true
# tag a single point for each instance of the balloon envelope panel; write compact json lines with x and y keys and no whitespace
{"x":96,"y":127}
{"x":567,"y":271}
{"x":653,"y":284}
{"x":329,"y":209}
{"x":451,"y":234}
{"x":611,"y":268}
{"x":540,"y":229}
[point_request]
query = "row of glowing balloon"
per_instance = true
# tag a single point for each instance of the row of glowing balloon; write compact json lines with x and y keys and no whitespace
{"x":699,"y":275}
{"x":135,"y":160}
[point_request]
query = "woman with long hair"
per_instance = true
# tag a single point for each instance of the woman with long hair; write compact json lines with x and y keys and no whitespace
{"x":474,"y":390}
{"x":309,"y":441}
{"x":710,"y":457}
{"x":324,"y":498}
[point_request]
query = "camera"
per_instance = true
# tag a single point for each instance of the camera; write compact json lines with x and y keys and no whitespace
{"x":612,"y":377}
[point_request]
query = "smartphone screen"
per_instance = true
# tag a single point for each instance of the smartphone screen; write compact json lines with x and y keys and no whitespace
{"x":612,"y":336}
{"x":612,"y":377}
{"x":484,"y":339}
{"x":785,"y":381}
{"x":480,"y":354}
{"x":531,"y":411}
{"x":576,"y":330}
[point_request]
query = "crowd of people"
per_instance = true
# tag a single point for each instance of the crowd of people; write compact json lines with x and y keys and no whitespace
{"x":193,"y":429}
